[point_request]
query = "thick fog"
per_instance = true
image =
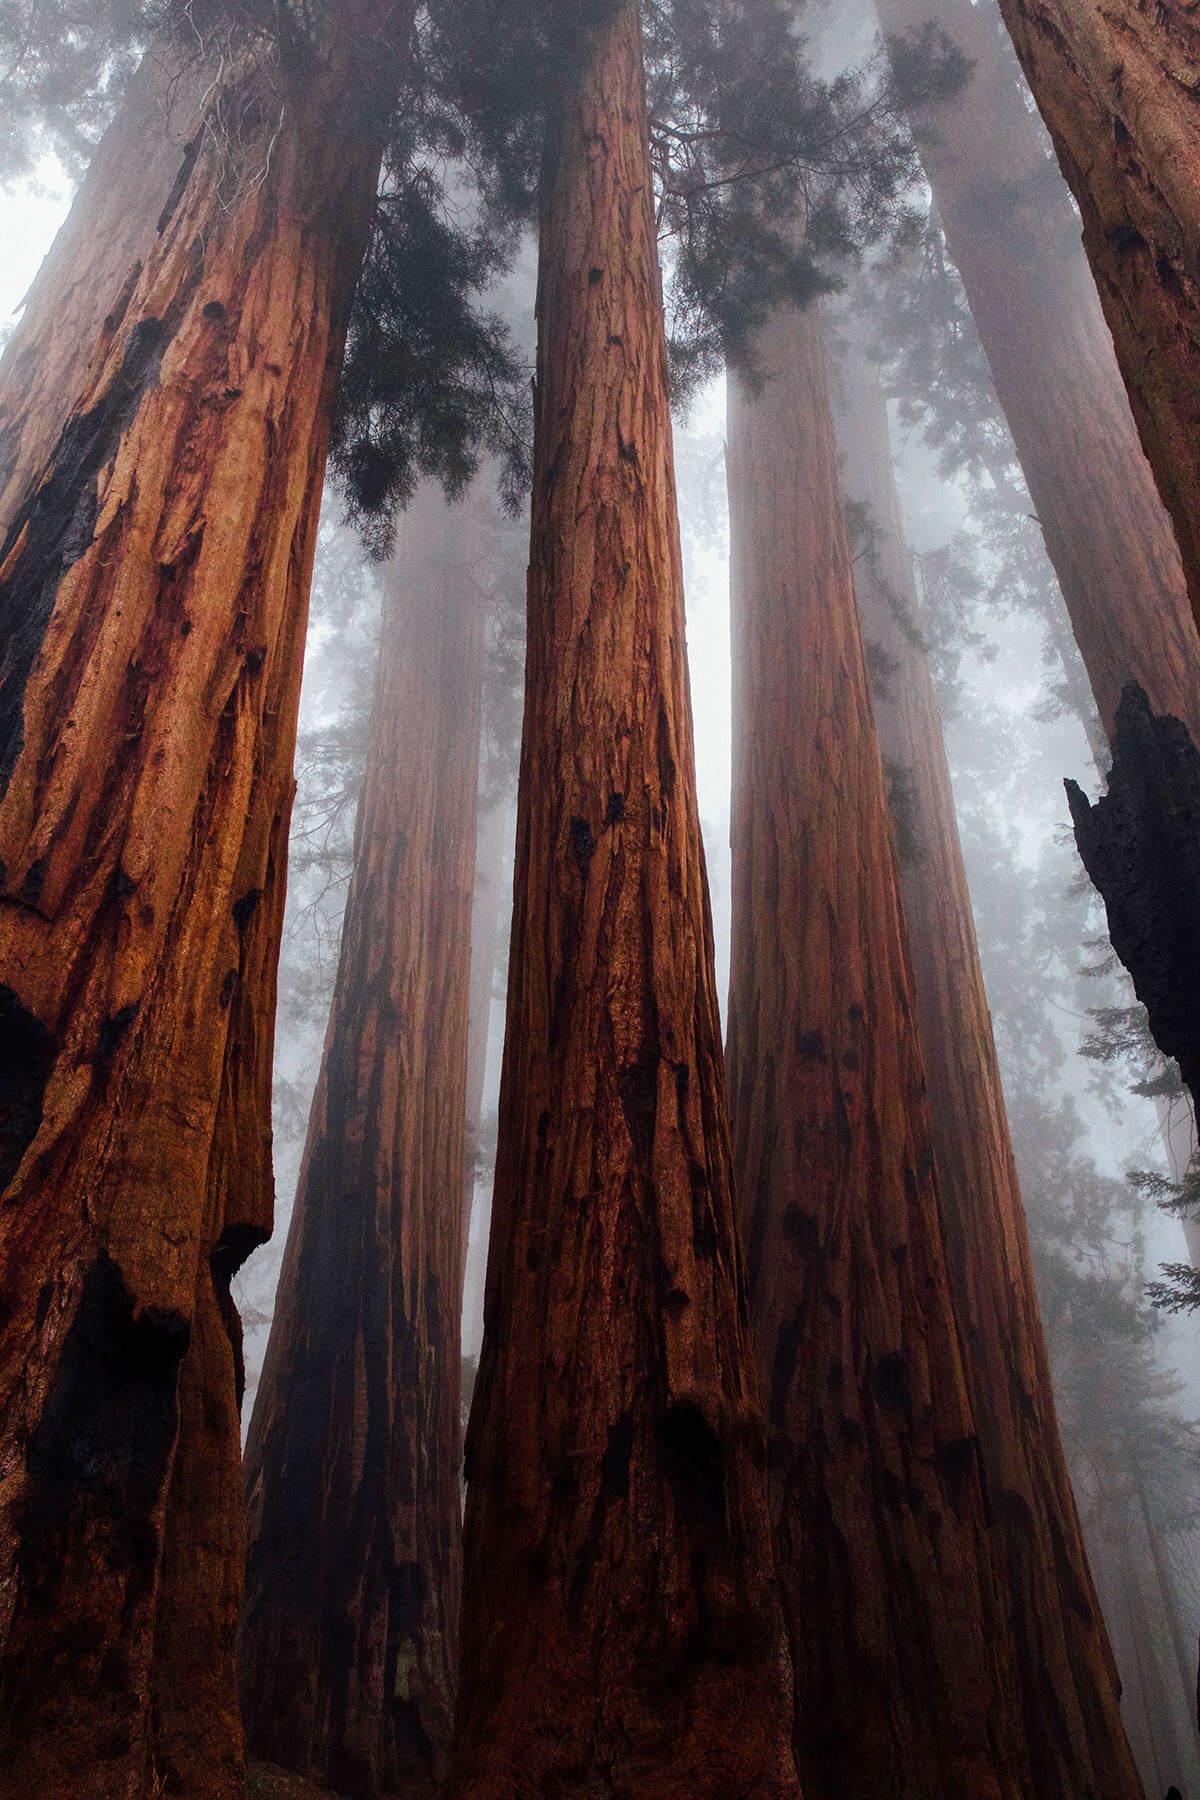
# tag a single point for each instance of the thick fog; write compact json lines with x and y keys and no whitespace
{"x":1009,"y":748}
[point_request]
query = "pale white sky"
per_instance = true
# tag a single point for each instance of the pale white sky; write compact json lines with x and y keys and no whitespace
{"x":30,"y":214}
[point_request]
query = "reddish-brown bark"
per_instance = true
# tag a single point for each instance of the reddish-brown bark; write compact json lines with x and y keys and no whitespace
{"x":1068,"y":1683}
{"x":1014,"y":238}
{"x":353,"y":1462}
{"x":1117,"y":86}
{"x":101,"y":245}
{"x":621,"y":1631}
{"x":902,"y":1662}
{"x":153,"y":588}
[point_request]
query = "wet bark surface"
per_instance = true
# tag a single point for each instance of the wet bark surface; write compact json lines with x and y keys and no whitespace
{"x":153,"y":591}
{"x":1118,"y":88}
{"x":1068,"y":1682}
{"x":621,"y":1632}
{"x":1140,"y":843}
{"x":353,"y":1463}
{"x":1014,"y":238}
{"x":904,"y":1685}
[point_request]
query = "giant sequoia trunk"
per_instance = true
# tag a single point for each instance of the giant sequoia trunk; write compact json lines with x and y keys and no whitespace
{"x":621,"y":1632}
{"x":102,"y":245}
{"x":1014,"y":238}
{"x":902,"y":1659}
{"x":1068,"y":1682}
{"x":153,"y":588}
{"x":1119,"y":88}
{"x":354,"y":1569}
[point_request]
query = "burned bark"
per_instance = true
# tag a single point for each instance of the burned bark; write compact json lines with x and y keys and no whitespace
{"x":1068,"y":1682}
{"x":1140,"y":844}
{"x":154,"y":582}
{"x":81,"y":290}
{"x":354,"y":1574}
{"x":1117,"y":88}
{"x":903,"y":1662}
{"x":621,"y":1631}
{"x":1014,"y":238}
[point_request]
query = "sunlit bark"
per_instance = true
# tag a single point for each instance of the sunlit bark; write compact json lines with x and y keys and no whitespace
{"x":621,"y":1631}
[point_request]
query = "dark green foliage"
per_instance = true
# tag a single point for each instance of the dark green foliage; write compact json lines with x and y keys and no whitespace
{"x":63,"y":65}
{"x":430,"y":381}
{"x":766,"y":180}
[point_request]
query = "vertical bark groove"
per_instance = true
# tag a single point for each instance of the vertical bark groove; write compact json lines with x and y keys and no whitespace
{"x":1069,"y":1687}
{"x":353,"y":1462}
{"x":149,"y":748}
{"x":904,"y":1684}
{"x":1117,"y":87}
{"x":621,"y":1632}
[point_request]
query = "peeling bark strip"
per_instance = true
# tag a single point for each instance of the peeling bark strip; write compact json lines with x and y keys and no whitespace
{"x":1068,"y":1683}
{"x":1014,"y":237}
{"x":158,"y":562}
{"x":1140,"y":844}
{"x":903,"y":1671}
{"x":349,"y":1651}
{"x":1119,"y":88}
{"x":621,"y":1632}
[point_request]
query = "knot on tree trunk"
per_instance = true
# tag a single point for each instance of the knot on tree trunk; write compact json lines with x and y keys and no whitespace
{"x":1140,"y":844}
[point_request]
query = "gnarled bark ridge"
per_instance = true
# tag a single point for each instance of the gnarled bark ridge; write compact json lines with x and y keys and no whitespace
{"x":349,"y":1647}
{"x":153,"y":590}
{"x":903,"y":1669}
{"x":621,"y":1630}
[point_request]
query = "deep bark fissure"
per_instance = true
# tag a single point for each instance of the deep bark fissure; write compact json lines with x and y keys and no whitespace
{"x":1070,"y":1693}
{"x":903,"y":1659}
{"x":350,"y":1653}
{"x":617,"y":1530}
{"x":162,"y":489}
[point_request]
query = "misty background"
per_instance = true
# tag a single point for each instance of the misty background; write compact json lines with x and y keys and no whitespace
{"x":1079,"y":1130}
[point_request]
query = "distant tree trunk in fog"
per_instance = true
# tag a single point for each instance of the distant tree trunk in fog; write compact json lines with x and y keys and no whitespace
{"x":902,"y":1663}
{"x":1014,"y":238}
{"x":621,"y":1630}
{"x":1158,"y":1713}
{"x":107,"y":236}
{"x":352,"y":1466}
{"x":493,"y":841}
{"x":1069,"y":1686}
{"x":1118,"y":91}
{"x":153,"y":593}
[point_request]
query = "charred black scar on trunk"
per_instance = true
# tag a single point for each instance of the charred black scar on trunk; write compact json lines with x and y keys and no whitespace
{"x":57,"y":521}
{"x":26,"y":1059}
{"x":97,"y":1464}
{"x":1141,"y":846}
